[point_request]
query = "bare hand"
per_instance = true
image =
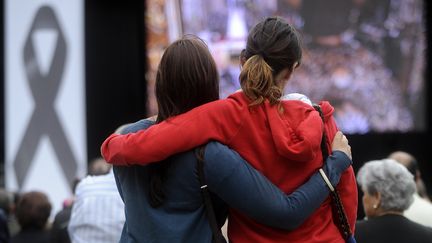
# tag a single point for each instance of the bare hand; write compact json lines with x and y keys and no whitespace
{"x":340,"y":142}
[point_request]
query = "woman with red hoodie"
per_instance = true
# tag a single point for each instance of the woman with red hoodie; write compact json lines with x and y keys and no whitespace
{"x":279,"y":137}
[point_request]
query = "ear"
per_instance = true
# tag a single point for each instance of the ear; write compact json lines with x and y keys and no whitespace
{"x":285,"y":74}
{"x":377,"y":198}
{"x":242,"y":57}
{"x":417,"y":176}
{"x":288,"y":74}
{"x":242,"y":60}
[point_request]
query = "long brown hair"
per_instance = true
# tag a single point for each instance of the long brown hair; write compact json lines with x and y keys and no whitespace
{"x":186,"y":78}
{"x":272,"y":46}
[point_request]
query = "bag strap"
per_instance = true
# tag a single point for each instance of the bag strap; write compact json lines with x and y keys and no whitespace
{"x":338,"y":209}
{"x":217,"y":233}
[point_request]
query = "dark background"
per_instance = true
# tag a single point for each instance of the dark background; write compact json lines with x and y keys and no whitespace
{"x":115,"y":67}
{"x":115,"y":64}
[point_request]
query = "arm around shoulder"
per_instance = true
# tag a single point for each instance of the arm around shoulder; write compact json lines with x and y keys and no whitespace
{"x":174,"y":135}
{"x":236,"y":182}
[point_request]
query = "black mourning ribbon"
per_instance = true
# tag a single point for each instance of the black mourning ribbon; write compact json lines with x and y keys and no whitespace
{"x":44,"y":87}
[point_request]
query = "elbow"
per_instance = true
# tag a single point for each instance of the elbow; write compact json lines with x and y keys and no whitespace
{"x":289,"y":221}
{"x":110,"y":155}
{"x":295,"y":223}
{"x":294,"y":214}
{"x":105,"y":152}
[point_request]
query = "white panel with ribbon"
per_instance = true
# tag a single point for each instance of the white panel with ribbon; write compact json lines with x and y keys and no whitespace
{"x":45,"y":123}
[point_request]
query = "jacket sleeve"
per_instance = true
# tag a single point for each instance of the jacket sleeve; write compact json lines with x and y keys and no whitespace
{"x":347,"y":187}
{"x":248,"y":191}
{"x":218,"y":120}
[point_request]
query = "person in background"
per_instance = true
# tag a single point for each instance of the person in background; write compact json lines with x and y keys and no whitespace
{"x":58,"y":231}
{"x":13,"y":224}
{"x":33,"y":210}
{"x":4,"y":230}
{"x":410,"y":162}
{"x":420,"y":210}
{"x":388,"y":189}
{"x":5,"y":207}
{"x":97,"y":213}
{"x":98,"y":166}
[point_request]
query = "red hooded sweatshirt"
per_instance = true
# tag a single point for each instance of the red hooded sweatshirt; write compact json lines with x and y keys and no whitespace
{"x":284,"y":146}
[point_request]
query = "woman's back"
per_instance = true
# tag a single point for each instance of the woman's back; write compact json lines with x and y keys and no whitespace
{"x":286,"y":149}
{"x":181,"y":217}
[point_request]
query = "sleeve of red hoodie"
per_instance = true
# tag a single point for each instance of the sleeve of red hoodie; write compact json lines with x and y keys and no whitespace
{"x":218,"y":120}
{"x":347,"y":187}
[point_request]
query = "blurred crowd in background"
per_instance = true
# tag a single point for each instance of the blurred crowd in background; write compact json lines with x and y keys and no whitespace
{"x":369,"y":57}
{"x":94,"y":213}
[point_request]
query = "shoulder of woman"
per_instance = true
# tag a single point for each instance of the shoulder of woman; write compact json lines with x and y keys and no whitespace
{"x":297,"y":96}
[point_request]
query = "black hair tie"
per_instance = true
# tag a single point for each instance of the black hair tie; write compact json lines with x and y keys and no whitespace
{"x":262,"y":54}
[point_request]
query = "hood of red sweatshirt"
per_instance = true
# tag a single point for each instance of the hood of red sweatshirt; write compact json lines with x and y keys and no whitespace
{"x":298,"y":130}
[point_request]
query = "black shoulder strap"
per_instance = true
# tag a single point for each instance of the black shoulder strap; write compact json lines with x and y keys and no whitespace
{"x":217,"y":234}
{"x":338,"y":209}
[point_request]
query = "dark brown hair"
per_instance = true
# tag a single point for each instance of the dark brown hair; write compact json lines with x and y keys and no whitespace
{"x":33,"y":210}
{"x":272,"y":46}
{"x":187,"y":77}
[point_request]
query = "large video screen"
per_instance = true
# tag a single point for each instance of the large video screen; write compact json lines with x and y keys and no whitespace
{"x":367,"y":57}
